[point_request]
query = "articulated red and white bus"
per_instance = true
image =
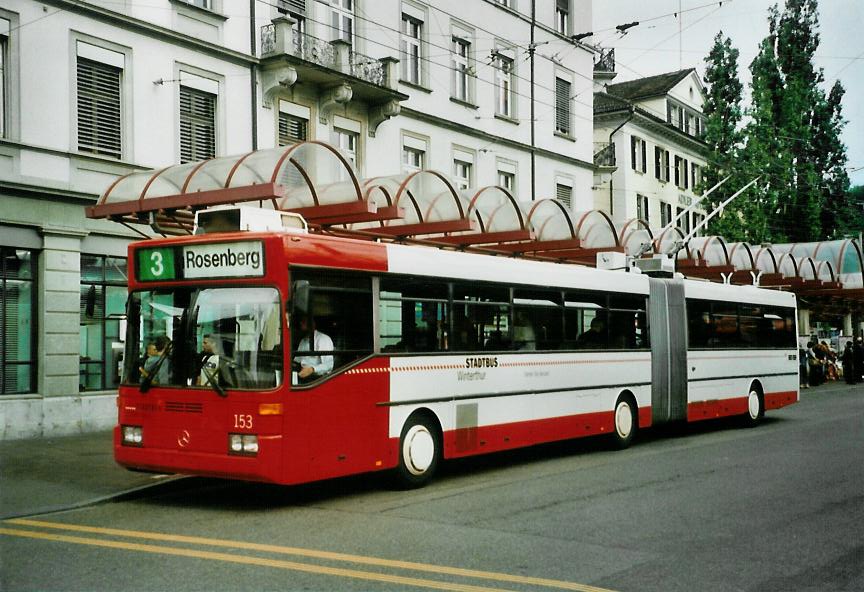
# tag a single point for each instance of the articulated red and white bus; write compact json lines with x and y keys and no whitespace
{"x":291,"y":357}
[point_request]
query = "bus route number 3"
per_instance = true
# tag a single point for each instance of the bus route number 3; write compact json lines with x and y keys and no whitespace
{"x":244,"y":422}
{"x":158,"y":264}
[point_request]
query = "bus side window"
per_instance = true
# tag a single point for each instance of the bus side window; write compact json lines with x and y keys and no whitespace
{"x":481,"y":317}
{"x":538,"y":321}
{"x":700,"y":327}
{"x":340,"y":305}
{"x":581,"y":309}
{"x":412,"y":315}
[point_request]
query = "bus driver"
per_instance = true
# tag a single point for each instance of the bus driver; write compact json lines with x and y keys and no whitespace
{"x":314,"y":365}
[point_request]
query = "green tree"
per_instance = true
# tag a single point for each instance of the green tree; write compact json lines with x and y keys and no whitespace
{"x":722,"y":109}
{"x":838,"y":215}
{"x":797,"y":42}
{"x":766,"y":153}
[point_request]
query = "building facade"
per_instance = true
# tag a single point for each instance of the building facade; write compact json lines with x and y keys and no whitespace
{"x":91,"y":91}
{"x":648,"y":137}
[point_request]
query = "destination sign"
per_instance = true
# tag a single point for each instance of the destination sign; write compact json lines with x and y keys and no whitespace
{"x":219,"y":260}
{"x":208,"y":261}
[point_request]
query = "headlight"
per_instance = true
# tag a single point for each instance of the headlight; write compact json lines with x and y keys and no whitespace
{"x":243,"y":444}
{"x":132,"y":435}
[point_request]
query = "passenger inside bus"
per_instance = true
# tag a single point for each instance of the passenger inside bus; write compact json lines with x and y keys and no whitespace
{"x":312,"y":365}
{"x":595,"y":336}
{"x":157,"y":366}
{"x":207,"y":362}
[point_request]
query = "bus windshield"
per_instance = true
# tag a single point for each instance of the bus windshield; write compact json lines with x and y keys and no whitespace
{"x":215,"y":338}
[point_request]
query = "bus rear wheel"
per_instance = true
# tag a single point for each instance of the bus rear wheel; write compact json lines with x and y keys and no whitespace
{"x":626,"y":422}
{"x":755,"y":408}
{"x":419,"y":452}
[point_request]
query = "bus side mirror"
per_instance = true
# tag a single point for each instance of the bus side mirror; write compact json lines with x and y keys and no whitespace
{"x":300,"y":296}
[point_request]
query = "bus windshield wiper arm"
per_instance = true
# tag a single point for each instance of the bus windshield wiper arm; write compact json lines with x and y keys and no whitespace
{"x":212,"y":380}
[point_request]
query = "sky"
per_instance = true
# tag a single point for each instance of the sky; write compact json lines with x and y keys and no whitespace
{"x":655,"y":46}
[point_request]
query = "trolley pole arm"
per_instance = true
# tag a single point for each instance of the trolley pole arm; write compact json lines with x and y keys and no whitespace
{"x":717,"y":210}
{"x":687,"y":210}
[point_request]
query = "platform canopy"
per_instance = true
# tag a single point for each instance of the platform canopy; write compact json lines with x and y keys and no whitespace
{"x":318,"y":181}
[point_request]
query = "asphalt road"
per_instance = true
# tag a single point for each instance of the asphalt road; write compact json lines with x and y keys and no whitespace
{"x":708,"y":507}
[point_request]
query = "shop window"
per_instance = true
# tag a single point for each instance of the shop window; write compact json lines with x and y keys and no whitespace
{"x":17,"y":314}
{"x":102,"y":321}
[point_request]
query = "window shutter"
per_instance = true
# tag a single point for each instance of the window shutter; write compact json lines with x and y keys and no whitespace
{"x":686,"y":176}
{"x":197,"y":125}
{"x":292,"y":129}
{"x":658,"y":161}
{"x":99,"y":109}
{"x":564,"y":194}
{"x":562,"y":106}
{"x":633,"y":152}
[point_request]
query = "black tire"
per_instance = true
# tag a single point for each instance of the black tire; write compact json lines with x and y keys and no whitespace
{"x":419,"y":452}
{"x":755,"y":407}
{"x":625,"y":422}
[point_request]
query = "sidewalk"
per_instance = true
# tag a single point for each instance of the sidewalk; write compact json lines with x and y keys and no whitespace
{"x":44,"y":474}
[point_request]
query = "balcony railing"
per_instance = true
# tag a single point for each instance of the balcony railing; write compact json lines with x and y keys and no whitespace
{"x":606,"y":61}
{"x":604,"y":154}
{"x":324,"y":53}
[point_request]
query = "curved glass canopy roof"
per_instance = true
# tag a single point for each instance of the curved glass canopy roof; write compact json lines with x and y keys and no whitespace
{"x":318,"y":181}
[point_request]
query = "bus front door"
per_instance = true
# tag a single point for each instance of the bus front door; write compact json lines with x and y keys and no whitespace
{"x":667,"y":322}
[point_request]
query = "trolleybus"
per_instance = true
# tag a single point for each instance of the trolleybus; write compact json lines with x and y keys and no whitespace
{"x":423,"y":354}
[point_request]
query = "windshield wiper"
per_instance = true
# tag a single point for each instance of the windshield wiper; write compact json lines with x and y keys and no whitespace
{"x":147,"y":381}
{"x":213,"y":380}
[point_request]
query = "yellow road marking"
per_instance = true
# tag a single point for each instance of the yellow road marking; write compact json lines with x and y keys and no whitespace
{"x":312,"y":553}
{"x":247,"y":560}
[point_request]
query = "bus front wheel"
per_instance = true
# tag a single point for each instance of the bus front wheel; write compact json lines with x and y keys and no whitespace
{"x":419,"y":452}
{"x":626,"y":422}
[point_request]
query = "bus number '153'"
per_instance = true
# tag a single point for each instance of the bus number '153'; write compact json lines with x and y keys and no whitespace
{"x":243,"y":422}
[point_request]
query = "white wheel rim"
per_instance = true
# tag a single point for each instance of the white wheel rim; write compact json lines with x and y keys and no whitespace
{"x":623,"y":419}
{"x":418,"y":450}
{"x":753,"y":404}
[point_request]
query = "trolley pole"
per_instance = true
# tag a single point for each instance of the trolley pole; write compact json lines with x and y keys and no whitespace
{"x":531,"y":49}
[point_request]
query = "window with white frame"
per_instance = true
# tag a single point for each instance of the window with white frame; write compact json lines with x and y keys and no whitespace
{"x":661,"y":164}
{"x":342,"y":20}
{"x":562,"y":16}
{"x":665,"y":213}
{"x":463,"y":168}
{"x":346,"y":141}
{"x":412,"y":29}
{"x":695,"y":175}
{"x":506,"y":175}
{"x":637,"y":154}
{"x":642,"y":207}
{"x":461,"y":51}
{"x":462,"y":171}
{"x":683,"y":220}
{"x":697,"y":220}
{"x":207,"y":4}
{"x":562,"y":106}
{"x":99,"y":101}
{"x":504,"y":87}
{"x":680,"y":172}
{"x":564,"y":193}
{"x":197,"y":124}
{"x":413,"y":153}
